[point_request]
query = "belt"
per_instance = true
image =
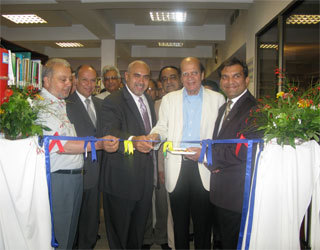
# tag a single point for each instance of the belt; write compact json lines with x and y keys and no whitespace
{"x":70,"y":171}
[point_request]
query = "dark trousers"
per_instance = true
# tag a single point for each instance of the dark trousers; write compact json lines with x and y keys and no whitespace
{"x":189,"y":196}
{"x":158,"y":234}
{"x":88,"y":224}
{"x":126,"y":220}
{"x":228,"y":226}
{"x":66,"y":203}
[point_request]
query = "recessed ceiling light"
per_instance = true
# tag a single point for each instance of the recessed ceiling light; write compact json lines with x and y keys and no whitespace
{"x":170,"y":44}
{"x":268,"y":46}
{"x":69,"y":44}
{"x":165,"y":16}
{"x":28,"y":18}
{"x":303,"y":19}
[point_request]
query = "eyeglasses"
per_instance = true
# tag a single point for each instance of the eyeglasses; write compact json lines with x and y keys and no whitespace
{"x":172,"y":77}
{"x":193,"y":73}
{"x":108,"y":78}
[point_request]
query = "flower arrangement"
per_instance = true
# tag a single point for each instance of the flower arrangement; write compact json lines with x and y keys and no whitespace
{"x":294,"y":113}
{"x":19,"y":111}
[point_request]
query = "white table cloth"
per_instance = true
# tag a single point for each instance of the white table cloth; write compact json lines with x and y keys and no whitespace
{"x":287,"y":179}
{"x":25,"y":221}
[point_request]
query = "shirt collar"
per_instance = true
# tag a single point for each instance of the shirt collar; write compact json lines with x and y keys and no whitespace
{"x":185,"y":93}
{"x":234,"y":100}
{"x":82,"y":97}
{"x":45,"y":93}
{"x":134,"y":96}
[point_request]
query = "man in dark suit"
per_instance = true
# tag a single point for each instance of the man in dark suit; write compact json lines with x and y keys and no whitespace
{"x":127,"y":180}
{"x":84,"y":111}
{"x":228,"y":171}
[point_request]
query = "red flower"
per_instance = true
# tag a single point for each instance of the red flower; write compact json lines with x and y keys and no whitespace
{"x":8,"y":93}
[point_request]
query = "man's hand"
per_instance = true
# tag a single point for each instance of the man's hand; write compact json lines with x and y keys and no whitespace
{"x":194,"y":157}
{"x":161,"y":176}
{"x":110,"y":146}
{"x":140,"y":143}
{"x":154,"y":137}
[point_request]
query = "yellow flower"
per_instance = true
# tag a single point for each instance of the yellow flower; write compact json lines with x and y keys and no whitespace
{"x":39,"y":97}
{"x":2,"y":111}
{"x":280,"y":94}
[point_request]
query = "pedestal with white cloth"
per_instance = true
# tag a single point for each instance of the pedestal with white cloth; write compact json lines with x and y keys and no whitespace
{"x":287,"y":180}
{"x":25,"y":221}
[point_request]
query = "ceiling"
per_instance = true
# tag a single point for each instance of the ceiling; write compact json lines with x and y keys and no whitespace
{"x":127,"y":22}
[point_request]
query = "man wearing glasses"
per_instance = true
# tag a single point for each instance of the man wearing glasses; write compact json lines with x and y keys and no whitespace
{"x":111,"y":80}
{"x":188,"y":115}
{"x":162,"y":233}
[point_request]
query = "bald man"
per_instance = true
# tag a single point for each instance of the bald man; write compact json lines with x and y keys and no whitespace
{"x":127,"y":180}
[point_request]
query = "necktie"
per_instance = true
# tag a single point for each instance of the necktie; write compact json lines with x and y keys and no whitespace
{"x":145,"y":116}
{"x":90,"y":112}
{"x":228,"y":108}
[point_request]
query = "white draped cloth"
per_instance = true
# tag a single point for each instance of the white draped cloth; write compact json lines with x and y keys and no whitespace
{"x":287,"y":180}
{"x":25,"y":221}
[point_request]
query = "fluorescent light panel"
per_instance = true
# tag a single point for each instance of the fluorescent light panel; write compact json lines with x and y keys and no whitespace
{"x":69,"y":44}
{"x":165,"y":16}
{"x":170,"y":44}
{"x":268,"y":46}
{"x":303,"y":19}
{"x":25,"y":19}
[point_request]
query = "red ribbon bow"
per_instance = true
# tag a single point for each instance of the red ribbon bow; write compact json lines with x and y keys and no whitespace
{"x":239,"y":144}
{"x":54,"y":142}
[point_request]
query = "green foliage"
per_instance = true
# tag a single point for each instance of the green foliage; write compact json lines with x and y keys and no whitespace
{"x":292,"y":114}
{"x":19,"y":112}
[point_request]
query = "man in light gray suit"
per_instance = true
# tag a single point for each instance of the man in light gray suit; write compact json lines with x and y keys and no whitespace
{"x":84,"y":111}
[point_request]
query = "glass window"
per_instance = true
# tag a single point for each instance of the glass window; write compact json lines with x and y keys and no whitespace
{"x":267,"y":60}
{"x":301,"y":44}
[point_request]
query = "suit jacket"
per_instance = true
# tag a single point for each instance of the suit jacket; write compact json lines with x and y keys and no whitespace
{"x":78,"y":115}
{"x":125,"y":176}
{"x":226,"y":187}
{"x":170,"y":127}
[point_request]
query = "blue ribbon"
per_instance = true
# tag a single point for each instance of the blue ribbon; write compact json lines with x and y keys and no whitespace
{"x":46,"y":140}
{"x":206,"y":149}
{"x":253,"y":194}
{"x":54,"y":243}
{"x":246,"y":195}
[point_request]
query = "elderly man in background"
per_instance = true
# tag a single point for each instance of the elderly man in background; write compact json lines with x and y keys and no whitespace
{"x":162,"y":233}
{"x":111,"y":79}
{"x":66,"y":167}
{"x":188,"y":115}
{"x":84,"y":111}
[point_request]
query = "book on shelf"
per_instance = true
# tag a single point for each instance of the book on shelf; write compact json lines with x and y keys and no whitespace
{"x":25,"y":71}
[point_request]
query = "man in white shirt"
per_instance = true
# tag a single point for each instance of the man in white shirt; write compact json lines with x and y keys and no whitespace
{"x":66,"y":168}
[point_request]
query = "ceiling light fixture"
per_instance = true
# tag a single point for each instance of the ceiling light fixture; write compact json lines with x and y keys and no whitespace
{"x":25,"y":19}
{"x":268,"y":46}
{"x":303,"y":19}
{"x":170,"y":44}
{"x":165,"y":16}
{"x":69,"y":44}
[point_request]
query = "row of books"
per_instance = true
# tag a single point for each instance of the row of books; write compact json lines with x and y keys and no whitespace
{"x":23,"y":70}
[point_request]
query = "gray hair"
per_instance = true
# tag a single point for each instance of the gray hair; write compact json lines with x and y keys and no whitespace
{"x":108,"y":68}
{"x":47,"y":69}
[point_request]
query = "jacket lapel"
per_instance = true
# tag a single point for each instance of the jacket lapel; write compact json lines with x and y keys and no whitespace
{"x":218,"y":121}
{"x":133,"y":107}
{"x":234,"y":111}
